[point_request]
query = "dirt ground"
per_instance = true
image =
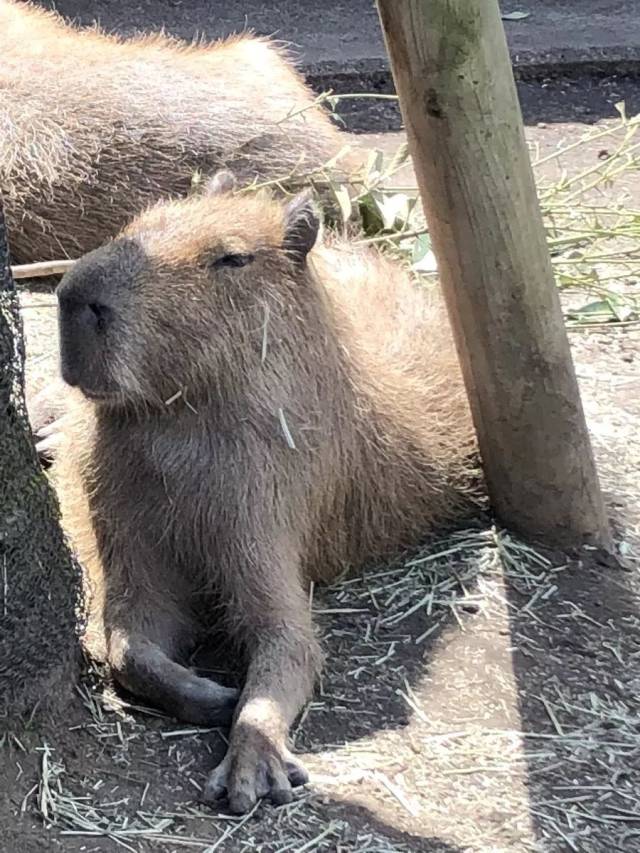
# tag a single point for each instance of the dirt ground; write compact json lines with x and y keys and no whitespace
{"x":479,"y":696}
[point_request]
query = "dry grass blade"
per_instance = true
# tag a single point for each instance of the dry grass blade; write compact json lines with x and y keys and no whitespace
{"x":593,"y":245}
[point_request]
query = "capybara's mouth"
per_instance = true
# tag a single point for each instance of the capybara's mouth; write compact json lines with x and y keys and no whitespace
{"x":98,"y":396}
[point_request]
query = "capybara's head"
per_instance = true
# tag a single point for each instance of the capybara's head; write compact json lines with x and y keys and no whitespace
{"x":158,"y":310}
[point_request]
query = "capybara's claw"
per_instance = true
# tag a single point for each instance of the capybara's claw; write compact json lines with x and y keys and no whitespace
{"x":252,"y":769}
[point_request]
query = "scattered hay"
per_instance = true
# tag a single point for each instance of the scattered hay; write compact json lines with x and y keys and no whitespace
{"x":473,"y":579}
{"x":579,"y":767}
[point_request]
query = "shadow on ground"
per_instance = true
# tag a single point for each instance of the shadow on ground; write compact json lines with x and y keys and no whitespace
{"x":511,"y":726}
{"x":576,"y":652}
{"x":98,"y":778}
{"x":586,"y":98}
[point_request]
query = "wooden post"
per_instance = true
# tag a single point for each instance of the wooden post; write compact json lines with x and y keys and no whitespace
{"x":453,"y":75}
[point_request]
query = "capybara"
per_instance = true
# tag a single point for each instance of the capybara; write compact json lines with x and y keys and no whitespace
{"x":248,"y":413}
{"x":94,"y":128}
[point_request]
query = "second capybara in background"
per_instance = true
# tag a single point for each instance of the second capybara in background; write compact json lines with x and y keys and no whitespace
{"x":94,"y":128}
{"x":249,"y":412}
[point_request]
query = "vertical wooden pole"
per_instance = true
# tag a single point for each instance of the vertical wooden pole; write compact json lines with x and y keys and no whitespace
{"x":453,"y":75}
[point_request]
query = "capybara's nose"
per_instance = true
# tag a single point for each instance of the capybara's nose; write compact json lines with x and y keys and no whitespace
{"x":84,"y":314}
{"x":91,"y":316}
{"x":83,"y":321}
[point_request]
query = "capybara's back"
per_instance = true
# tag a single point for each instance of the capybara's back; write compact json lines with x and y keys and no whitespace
{"x":407,"y":438}
{"x":95,"y":128}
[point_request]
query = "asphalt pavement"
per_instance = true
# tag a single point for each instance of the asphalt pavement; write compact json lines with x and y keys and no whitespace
{"x":343,"y":34}
{"x":572,"y":57}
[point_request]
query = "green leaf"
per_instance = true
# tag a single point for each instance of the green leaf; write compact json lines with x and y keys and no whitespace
{"x":422,"y":257}
{"x":601,"y":311}
{"x":399,"y":159}
{"x":341,"y":194}
{"x":621,"y":308}
{"x":394,"y":209}
{"x":515,"y":16}
{"x":421,"y":246}
{"x":372,"y":223}
{"x":374,"y":163}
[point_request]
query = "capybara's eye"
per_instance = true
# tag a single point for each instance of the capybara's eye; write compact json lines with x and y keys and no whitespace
{"x":232,"y":261}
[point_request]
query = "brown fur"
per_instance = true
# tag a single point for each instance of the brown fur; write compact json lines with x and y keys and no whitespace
{"x":94,"y":128}
{"x":250,"y":428}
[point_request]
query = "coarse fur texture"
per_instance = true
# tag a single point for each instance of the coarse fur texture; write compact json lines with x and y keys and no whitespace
{"x":250,"y":413}
{"x":94,"y":128}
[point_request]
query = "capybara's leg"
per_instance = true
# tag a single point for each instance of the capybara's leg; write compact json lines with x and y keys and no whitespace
{"x":47,"y":418}
{"x":284,"y":661}
{"x":49,"y":404}
{"x":145,"y":669}
{"x":49,"y":438}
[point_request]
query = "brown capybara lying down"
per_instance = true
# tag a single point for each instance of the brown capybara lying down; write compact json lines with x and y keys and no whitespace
{"x":94,"y":128}
{"x":249,"y":413}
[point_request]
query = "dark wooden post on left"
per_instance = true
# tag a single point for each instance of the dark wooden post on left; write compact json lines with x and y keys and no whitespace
{"x":39,"y":580}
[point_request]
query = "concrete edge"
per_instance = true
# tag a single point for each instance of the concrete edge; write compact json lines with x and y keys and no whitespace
{"x":374,"y":74}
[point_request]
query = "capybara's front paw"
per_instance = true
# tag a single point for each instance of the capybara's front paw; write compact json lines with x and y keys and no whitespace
{"x":254,"y":767}
{"x":50,"y":403}
{"x":49,"y":438}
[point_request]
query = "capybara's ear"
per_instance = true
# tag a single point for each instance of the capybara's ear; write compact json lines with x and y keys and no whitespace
{"x":301,"y":226}
{"x":222,"y":182}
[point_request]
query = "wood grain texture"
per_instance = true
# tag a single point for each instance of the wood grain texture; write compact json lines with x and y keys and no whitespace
{"x":453,"y":75}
